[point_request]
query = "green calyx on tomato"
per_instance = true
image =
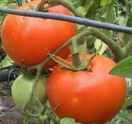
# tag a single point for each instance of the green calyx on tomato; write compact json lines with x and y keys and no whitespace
{"x":87,"y":96}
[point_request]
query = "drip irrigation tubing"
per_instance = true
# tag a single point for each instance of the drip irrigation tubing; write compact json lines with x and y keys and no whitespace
{"x":74,"y":19}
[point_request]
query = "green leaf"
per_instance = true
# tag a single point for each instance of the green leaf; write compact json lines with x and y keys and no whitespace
{"x":105,"y":2}
{"x":67,"y":121}
{"x":100,"y":47}
{"x":123,"y":68}
{"x":6,"y":62}
{"x":22,"y":90}
{"x":128,"y":102}
{"x":82,"y":10}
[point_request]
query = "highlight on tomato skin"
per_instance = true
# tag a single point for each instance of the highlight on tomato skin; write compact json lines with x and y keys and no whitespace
{"x":28,"y":40}
{"x":87,"y":96}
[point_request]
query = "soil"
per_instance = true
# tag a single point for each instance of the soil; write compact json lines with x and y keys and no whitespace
{"x":8,"y":115}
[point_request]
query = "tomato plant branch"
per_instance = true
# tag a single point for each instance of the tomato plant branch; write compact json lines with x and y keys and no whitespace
{"x":34,"y":99}
{"x":62,"y":62}
{"x":33,"y":95}
{"x":116,"y":49}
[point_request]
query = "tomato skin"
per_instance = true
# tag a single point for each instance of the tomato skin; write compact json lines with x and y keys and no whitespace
{"x":89,"y":97}
{"x":28,"y":40}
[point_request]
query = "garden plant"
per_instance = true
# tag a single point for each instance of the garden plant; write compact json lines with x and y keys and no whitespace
{"x":67,"y":61}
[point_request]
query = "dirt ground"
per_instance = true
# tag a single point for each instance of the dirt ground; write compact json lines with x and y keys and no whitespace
{"x":7,"y":114}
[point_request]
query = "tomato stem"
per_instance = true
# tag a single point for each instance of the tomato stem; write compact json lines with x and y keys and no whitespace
{"x":75,"y":54}
{"x":115,"y":47}
{"x":62,"y":62}
{"x":76,"y":60}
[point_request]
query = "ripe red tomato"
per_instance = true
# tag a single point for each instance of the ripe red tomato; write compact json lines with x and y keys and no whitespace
{"x":93,"y":96}
{"x":28,"y":40}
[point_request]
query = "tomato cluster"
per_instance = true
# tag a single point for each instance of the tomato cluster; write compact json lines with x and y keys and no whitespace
{"x":88,"y":96}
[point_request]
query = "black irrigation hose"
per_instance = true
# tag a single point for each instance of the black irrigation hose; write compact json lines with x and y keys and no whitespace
{"x":79,"y":20}
{"x":9,"y":73}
